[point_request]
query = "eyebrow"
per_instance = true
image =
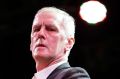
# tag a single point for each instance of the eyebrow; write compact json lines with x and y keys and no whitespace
{"x":47,"y":25}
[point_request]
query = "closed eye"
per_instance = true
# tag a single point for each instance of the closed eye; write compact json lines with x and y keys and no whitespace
{"x":51,"y":28}
{"x":36,"y":28}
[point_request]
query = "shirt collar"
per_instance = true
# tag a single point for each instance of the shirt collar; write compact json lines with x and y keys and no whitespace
{"x":46,"y":72}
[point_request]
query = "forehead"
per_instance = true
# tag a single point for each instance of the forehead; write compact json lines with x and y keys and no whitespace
{"x":48,"y":16}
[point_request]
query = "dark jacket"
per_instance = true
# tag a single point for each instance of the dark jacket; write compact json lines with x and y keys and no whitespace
{"x":64,"y":71}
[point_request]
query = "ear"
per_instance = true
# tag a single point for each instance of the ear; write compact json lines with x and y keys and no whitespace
{"x":69,"y":43}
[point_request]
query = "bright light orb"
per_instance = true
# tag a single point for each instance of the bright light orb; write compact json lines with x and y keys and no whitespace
{"x":93,"y":12}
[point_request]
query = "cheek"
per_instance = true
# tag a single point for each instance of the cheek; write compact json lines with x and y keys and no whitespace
{"x":53,"y":41}
{"x":56,"y":41}
{"x":32,"y":43}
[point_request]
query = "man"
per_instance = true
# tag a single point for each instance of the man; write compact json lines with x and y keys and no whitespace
{"x":52,"y":38}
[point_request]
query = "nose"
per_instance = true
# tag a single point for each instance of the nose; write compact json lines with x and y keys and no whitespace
{"x":41,"y":33}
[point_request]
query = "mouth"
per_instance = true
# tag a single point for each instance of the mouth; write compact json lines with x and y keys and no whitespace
{"x":40,"y":45}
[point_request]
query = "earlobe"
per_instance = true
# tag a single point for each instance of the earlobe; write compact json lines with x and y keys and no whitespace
{"x":69,"y":43}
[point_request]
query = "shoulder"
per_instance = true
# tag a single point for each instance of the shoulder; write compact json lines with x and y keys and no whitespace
{"x":65,"y":71}
{"x":74,"y":73}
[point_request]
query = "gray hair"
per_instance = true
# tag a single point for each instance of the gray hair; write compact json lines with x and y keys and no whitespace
{"x":68,"y":20}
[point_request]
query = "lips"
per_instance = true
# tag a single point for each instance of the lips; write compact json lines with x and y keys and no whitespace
{"x":40,"y":45}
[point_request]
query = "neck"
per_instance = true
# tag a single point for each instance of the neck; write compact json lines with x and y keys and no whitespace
{"x":45,"y":63}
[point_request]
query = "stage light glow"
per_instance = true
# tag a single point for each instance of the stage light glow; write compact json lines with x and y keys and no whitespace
{"x":93,"y":12}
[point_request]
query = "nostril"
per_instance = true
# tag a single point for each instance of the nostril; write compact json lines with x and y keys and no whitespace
{"x":41,"y":36}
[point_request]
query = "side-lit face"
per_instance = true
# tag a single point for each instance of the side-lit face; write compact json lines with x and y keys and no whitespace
{"x":47,"y":36}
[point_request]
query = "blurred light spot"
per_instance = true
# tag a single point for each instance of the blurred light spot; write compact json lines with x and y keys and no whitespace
{"x":93,"y":12}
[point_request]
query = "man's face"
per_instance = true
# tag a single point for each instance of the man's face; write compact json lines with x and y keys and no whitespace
{"x":47,"y":36}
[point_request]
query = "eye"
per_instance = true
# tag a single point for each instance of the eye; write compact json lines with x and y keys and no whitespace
{"x":36,"y":28}
{"x":51,"y":28}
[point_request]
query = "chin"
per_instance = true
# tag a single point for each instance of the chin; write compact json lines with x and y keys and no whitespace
{"x":41,"y":55}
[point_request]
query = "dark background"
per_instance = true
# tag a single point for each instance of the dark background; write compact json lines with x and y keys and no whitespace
{"x":97,"y":47}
